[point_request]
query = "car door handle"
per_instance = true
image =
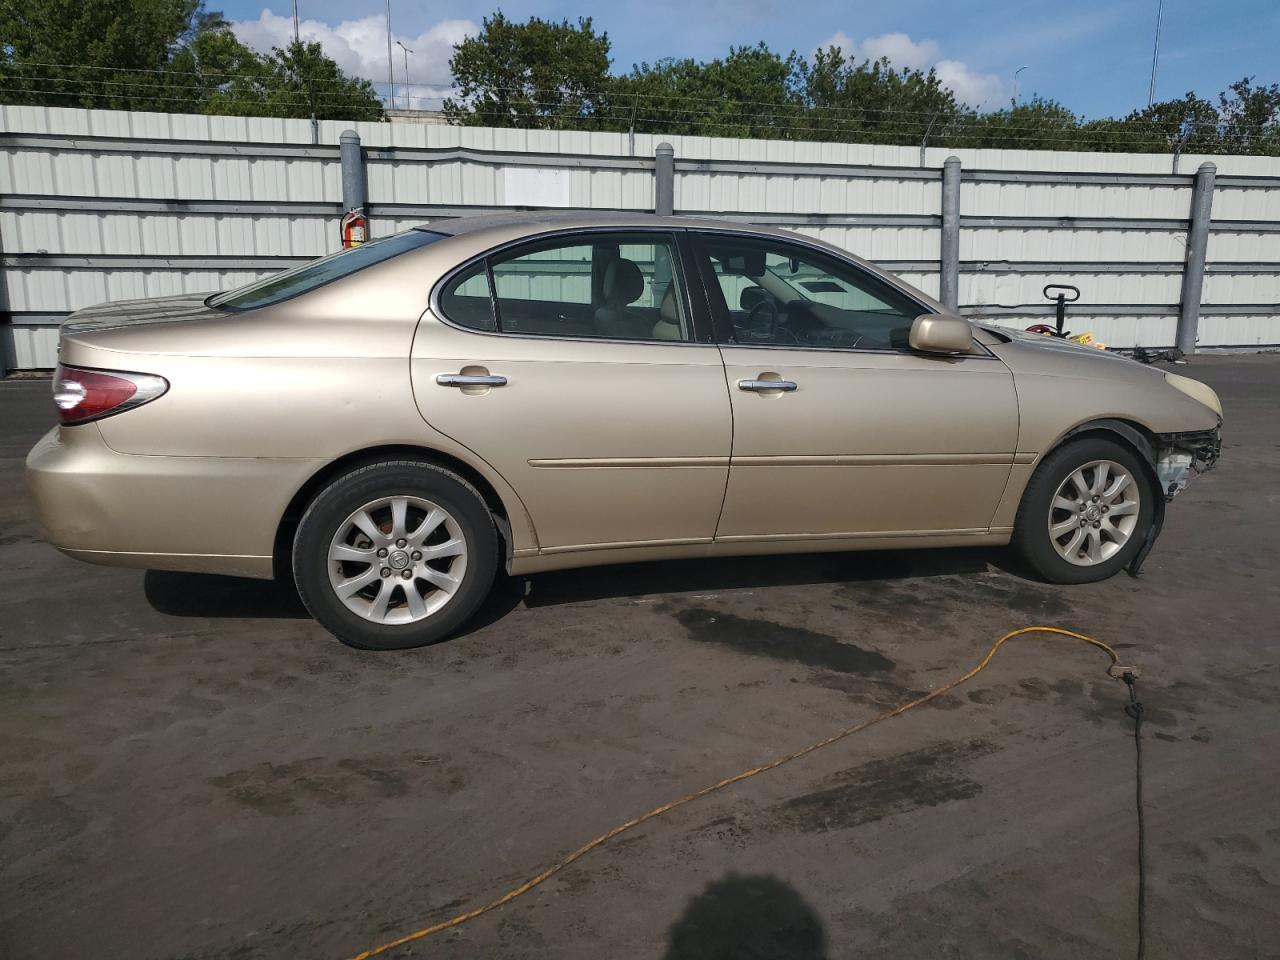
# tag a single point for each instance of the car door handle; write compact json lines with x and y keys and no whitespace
{"x":469,"y":380}
{"x":759,"y":385}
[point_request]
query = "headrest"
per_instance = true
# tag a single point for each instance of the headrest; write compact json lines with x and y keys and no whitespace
{"x":623,"y":281}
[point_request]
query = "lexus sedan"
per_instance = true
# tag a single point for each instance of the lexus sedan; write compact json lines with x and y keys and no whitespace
{"x":390,"y":425}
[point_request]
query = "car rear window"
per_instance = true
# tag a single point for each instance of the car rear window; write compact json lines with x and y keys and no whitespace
{"x":309,"y":276}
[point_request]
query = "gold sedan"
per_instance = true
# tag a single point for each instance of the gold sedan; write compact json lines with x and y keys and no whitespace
{"x":390,"y":425}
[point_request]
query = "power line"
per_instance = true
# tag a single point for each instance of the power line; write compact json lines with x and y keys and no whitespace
{"x":732,"y":124}
{"x":625,"y":96}
{"x":854,"y":119}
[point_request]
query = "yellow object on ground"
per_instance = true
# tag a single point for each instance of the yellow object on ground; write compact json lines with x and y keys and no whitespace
{"x":1086,"y":339}
{"x":1113,"y":670}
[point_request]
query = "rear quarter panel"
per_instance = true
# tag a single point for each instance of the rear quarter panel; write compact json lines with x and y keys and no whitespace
{"x":315,"y":378}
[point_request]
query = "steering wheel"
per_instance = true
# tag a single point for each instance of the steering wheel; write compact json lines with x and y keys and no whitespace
{"x":760,"y":307}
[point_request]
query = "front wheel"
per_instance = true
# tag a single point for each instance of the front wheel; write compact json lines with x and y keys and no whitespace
{"x":395,"y":555}
{"x":1085,"y":513}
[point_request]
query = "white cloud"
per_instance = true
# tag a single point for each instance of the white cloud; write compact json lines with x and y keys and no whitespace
{"x":842,"y":41}
{"x":975,"y":89}
{"x":360,"y":48}
{"x":901,"y":50}
{"x":970,"y":86}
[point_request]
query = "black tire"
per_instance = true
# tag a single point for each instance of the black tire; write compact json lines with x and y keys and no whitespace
{"x":1031,"y":538}
{"x":336,"y":502}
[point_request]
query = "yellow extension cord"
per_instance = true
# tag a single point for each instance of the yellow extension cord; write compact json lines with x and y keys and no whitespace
{"x":1113,"y":670}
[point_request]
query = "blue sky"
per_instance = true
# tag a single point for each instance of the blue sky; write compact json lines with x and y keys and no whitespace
{"x":1091,"y":55}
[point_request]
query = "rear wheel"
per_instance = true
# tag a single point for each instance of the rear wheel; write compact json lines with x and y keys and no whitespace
{"x":1085,"y":512}
{"x":395,"y":555}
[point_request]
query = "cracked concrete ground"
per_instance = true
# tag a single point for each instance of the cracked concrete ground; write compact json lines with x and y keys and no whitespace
{"x":190,"y":768}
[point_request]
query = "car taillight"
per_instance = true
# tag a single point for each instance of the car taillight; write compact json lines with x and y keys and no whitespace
{"x":84,"y":395}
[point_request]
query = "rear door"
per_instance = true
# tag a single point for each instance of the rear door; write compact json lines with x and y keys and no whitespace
{"x":861,"y":436}
{"x":576,"y":367}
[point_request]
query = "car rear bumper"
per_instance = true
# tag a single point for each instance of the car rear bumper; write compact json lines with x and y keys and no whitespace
{"x":203,"y":514}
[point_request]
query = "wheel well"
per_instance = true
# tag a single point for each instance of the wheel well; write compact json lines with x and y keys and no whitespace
{"x":288,"y":526}
{"x":1134,"y":435}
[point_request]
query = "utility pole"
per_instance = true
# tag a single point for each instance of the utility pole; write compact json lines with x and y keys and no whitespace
{"x":1015,"y":84}
{"x":408,"y":105}
{"x":311,"y":93}
{"x":391,"y":75}
{"x":1155,"y":54}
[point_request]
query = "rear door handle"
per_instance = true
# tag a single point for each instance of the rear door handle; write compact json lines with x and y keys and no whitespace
{"x":759,"y":385}
{"x":469,"y":380}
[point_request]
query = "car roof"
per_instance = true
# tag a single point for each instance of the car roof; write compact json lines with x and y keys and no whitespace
{"x":537,"y":221}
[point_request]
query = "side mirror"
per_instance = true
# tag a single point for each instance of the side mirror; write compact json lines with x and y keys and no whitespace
{"x":941,"y":333}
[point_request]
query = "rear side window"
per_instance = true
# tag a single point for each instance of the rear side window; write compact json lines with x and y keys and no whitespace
{"x":465,"y":299}
{"x":302,"y":279}
{"x":614,"y":286}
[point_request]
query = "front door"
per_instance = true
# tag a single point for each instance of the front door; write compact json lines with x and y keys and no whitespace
{"x":861,"y":436}
{"x":596,"y":398}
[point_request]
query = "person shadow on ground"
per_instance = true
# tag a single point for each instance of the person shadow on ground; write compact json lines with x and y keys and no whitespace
{"x":747,"y":918}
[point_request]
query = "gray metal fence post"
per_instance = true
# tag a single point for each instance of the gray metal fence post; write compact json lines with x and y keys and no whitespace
{"x":949,"y":265}
{"x":353,"y":197}
{"x":1197,"y":248}
{"x":664,"y":180}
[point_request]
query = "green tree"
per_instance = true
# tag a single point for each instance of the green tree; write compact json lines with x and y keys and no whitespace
{"x":1036,"y":124}
{"x":172,"y":56}
{"x":105,"y":53}
{"x":538,"y":74}
{"x":298,"y":81}
{"x":753,"y":92}
{"x":873,"y":102}
{"x":1250,"y":118}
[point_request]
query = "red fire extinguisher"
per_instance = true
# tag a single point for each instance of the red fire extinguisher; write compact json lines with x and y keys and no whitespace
{"x":355,"y":228}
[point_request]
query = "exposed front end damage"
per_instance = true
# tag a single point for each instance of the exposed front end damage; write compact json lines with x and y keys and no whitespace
{"x":1180,"y":456}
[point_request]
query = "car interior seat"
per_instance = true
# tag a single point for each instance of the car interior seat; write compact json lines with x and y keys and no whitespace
{"x":623,"y":285}
{"x":668,"y":326}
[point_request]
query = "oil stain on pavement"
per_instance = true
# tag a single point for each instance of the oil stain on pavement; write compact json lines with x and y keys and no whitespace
{"x":763,"y":638}
{"x":883,"y":787}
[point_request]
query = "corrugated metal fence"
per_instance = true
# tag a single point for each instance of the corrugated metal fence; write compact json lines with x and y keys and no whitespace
{"x":104,"y":205}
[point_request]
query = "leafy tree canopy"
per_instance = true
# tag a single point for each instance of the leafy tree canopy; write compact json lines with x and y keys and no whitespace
{"x":535,"y":74}
{"x":557,"y":75}
{"x":176,"y":56}
{"x":171,"y":56}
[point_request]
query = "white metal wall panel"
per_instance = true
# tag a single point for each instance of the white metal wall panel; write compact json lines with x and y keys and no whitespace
{"x":30,"y":348}
{"x":1229,"y":246}
{"x":880,"y":243}
{"x":1009,"y":289}
{"x":995,"y":199}
{"x":778,"y":193}
{"x":1237,"y":330}
{"x":54,"y":291}
{"x":1130,"y":259}
{"x":1082,"y":245}
{"x":1246,"y":203}
{"x":1222,"y":288}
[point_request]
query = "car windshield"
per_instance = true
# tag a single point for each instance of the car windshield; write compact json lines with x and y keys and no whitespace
{"x":795,"y":288}
{"x":316,"y":273}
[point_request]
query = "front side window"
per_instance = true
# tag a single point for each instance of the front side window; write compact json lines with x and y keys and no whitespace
{"x":307,"y":277}
{"x":780,"y":294}
{"x":614,"y":286}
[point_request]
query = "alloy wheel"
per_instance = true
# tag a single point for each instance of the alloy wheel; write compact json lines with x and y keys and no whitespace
{"x":397,"y":559}
{"x":1094,"y":512}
